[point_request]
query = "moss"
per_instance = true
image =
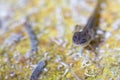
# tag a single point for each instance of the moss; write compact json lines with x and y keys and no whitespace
{"x":53,"y":23}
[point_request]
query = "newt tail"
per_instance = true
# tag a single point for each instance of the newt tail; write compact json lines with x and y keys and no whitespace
{"x":93,"y":21}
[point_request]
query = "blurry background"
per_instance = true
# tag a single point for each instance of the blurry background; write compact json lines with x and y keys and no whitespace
{"x":52,"y":22}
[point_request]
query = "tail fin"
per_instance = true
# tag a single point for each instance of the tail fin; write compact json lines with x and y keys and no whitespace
{"x":93,"y":21}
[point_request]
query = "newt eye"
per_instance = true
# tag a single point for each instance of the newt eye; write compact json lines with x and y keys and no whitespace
{"x":84,"y":40}
{"x":74,"y":38}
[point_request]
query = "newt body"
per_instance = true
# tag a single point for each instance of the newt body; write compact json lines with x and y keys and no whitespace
{"x":84,"y":37}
